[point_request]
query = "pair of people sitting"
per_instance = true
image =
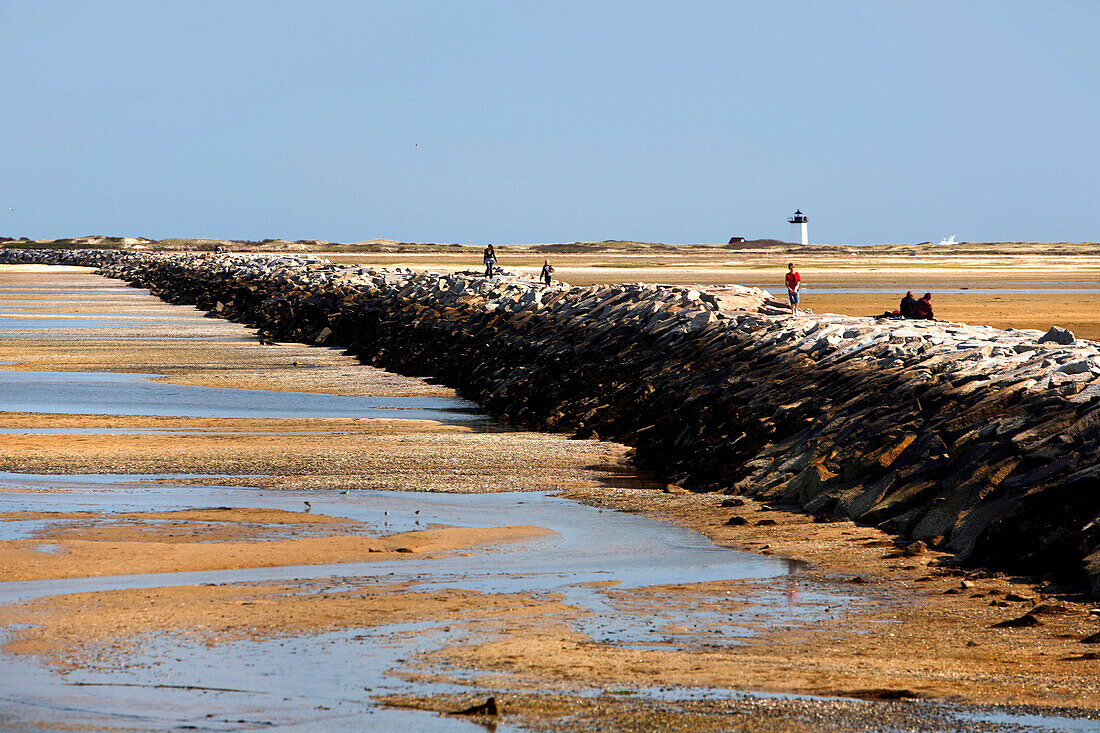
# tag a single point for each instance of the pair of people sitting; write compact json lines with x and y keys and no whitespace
{"x":913,"y":308}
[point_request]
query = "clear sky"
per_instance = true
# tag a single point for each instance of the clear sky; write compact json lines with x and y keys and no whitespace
{"x":551,"y":121}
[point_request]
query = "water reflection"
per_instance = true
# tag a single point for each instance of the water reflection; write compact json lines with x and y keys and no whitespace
{"x":113,"y":393}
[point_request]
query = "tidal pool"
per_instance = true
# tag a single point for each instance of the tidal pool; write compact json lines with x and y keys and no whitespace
{"x":319,"y":679}
{"x":115,"y":393}
{"x":329,"y":680}
{"x":45,"y":324}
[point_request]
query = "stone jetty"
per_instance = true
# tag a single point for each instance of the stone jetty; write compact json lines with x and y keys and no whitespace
{"x":971,"y":439}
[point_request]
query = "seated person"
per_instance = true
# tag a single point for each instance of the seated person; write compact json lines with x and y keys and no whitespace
{"x":908,"y":305}
{"x":923,"y":308}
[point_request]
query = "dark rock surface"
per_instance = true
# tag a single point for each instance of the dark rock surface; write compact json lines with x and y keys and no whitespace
{"x":1057,"y":335}
{"x":978,"y":441}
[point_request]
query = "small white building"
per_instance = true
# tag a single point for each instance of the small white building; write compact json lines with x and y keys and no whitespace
{"x":798,"y":227}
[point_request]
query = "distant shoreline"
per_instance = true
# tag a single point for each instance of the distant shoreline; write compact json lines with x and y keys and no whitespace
{"x":388,"y":246}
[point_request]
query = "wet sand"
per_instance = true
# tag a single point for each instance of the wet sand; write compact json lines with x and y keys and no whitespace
{"x":1009,"y":308}
{"x":859,"y":621}
{"x":187,"y":547}
{"x":914,"y":625}
{"x":338,"y":453}
{"x":388,"y":456}
{"x":79,"y":631}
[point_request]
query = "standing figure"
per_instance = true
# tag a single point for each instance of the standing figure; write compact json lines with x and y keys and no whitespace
{"x":547,"y":271}
{"x":490,"y":259}
{"x":794,"y":283}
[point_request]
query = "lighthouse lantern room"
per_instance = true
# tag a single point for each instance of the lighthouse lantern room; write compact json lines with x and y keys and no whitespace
{"x":798,"y":227}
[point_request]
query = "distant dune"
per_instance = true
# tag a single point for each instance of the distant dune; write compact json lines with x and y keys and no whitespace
{"x":608,"y":246}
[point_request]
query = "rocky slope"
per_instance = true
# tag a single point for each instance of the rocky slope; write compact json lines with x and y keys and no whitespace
{"x":980,"y":441}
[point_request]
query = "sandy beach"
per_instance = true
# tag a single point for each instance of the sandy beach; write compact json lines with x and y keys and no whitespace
{"x":840,"y":612}
{"x":1001,"y":290}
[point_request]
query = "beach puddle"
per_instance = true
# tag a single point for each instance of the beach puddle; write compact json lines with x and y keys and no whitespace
{"x":319,"y":683}
{"x":110,"y":308}
{"x":112,"y":393}
{"x":49,"y":336}
{"x":280,"y":672}
{"x":589,"y":566}
{"x":42,"y":324}
{"x":158,"y":431}
{"x":587,"y":546}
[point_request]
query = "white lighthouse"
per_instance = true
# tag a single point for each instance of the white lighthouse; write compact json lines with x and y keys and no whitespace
{"x":798,"y":227}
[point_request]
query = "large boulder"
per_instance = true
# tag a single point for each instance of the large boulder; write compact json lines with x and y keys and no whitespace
{"x":1056,"y":335}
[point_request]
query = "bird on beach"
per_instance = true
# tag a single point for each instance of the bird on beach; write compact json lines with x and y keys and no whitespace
{"x":308,"y":507}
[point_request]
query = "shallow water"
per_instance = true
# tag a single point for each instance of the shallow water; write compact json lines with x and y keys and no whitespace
{"x":116,"y":393}
{"x":41,"y":324}
{"x":57,"y":313}
{"x":50,"y":311}
{"x":48,"y":336}
{"x":163,"y":431}
{"x":589,"y":545}
{"x":327,"y":681}
{"x":67,"y":290}
{"x":327,"y":686}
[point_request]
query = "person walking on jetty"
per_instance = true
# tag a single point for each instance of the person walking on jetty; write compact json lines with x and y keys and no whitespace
{"x":547,"y":271}
{"x":794,"y":285}
{"x":908,"y":305}
{"x":923,"y":309}
{"x":490,"y":259}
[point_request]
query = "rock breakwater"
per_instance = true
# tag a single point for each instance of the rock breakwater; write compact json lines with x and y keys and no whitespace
{"x":971,"y":439}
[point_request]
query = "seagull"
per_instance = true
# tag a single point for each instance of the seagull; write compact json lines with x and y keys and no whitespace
{"x":308,"y":507}
{"x":416,"y":146}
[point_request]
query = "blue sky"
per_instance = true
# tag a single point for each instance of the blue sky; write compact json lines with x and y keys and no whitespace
{"x":543,"y":122}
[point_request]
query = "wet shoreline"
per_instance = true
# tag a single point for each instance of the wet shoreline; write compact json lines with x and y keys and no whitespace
{"x":663,"y":622}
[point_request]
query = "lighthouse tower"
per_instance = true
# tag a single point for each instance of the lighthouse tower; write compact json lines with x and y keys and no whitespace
{"x":798,"y":227}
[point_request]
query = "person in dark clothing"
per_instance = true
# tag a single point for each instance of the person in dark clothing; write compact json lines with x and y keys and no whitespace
{"x":490,"y":259}
{"x":547,"y":271}
{"x":908,"y":305}
{"x":923,"y":308}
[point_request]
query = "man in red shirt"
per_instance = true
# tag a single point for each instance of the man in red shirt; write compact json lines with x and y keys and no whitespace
{"x":794,"y":281}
